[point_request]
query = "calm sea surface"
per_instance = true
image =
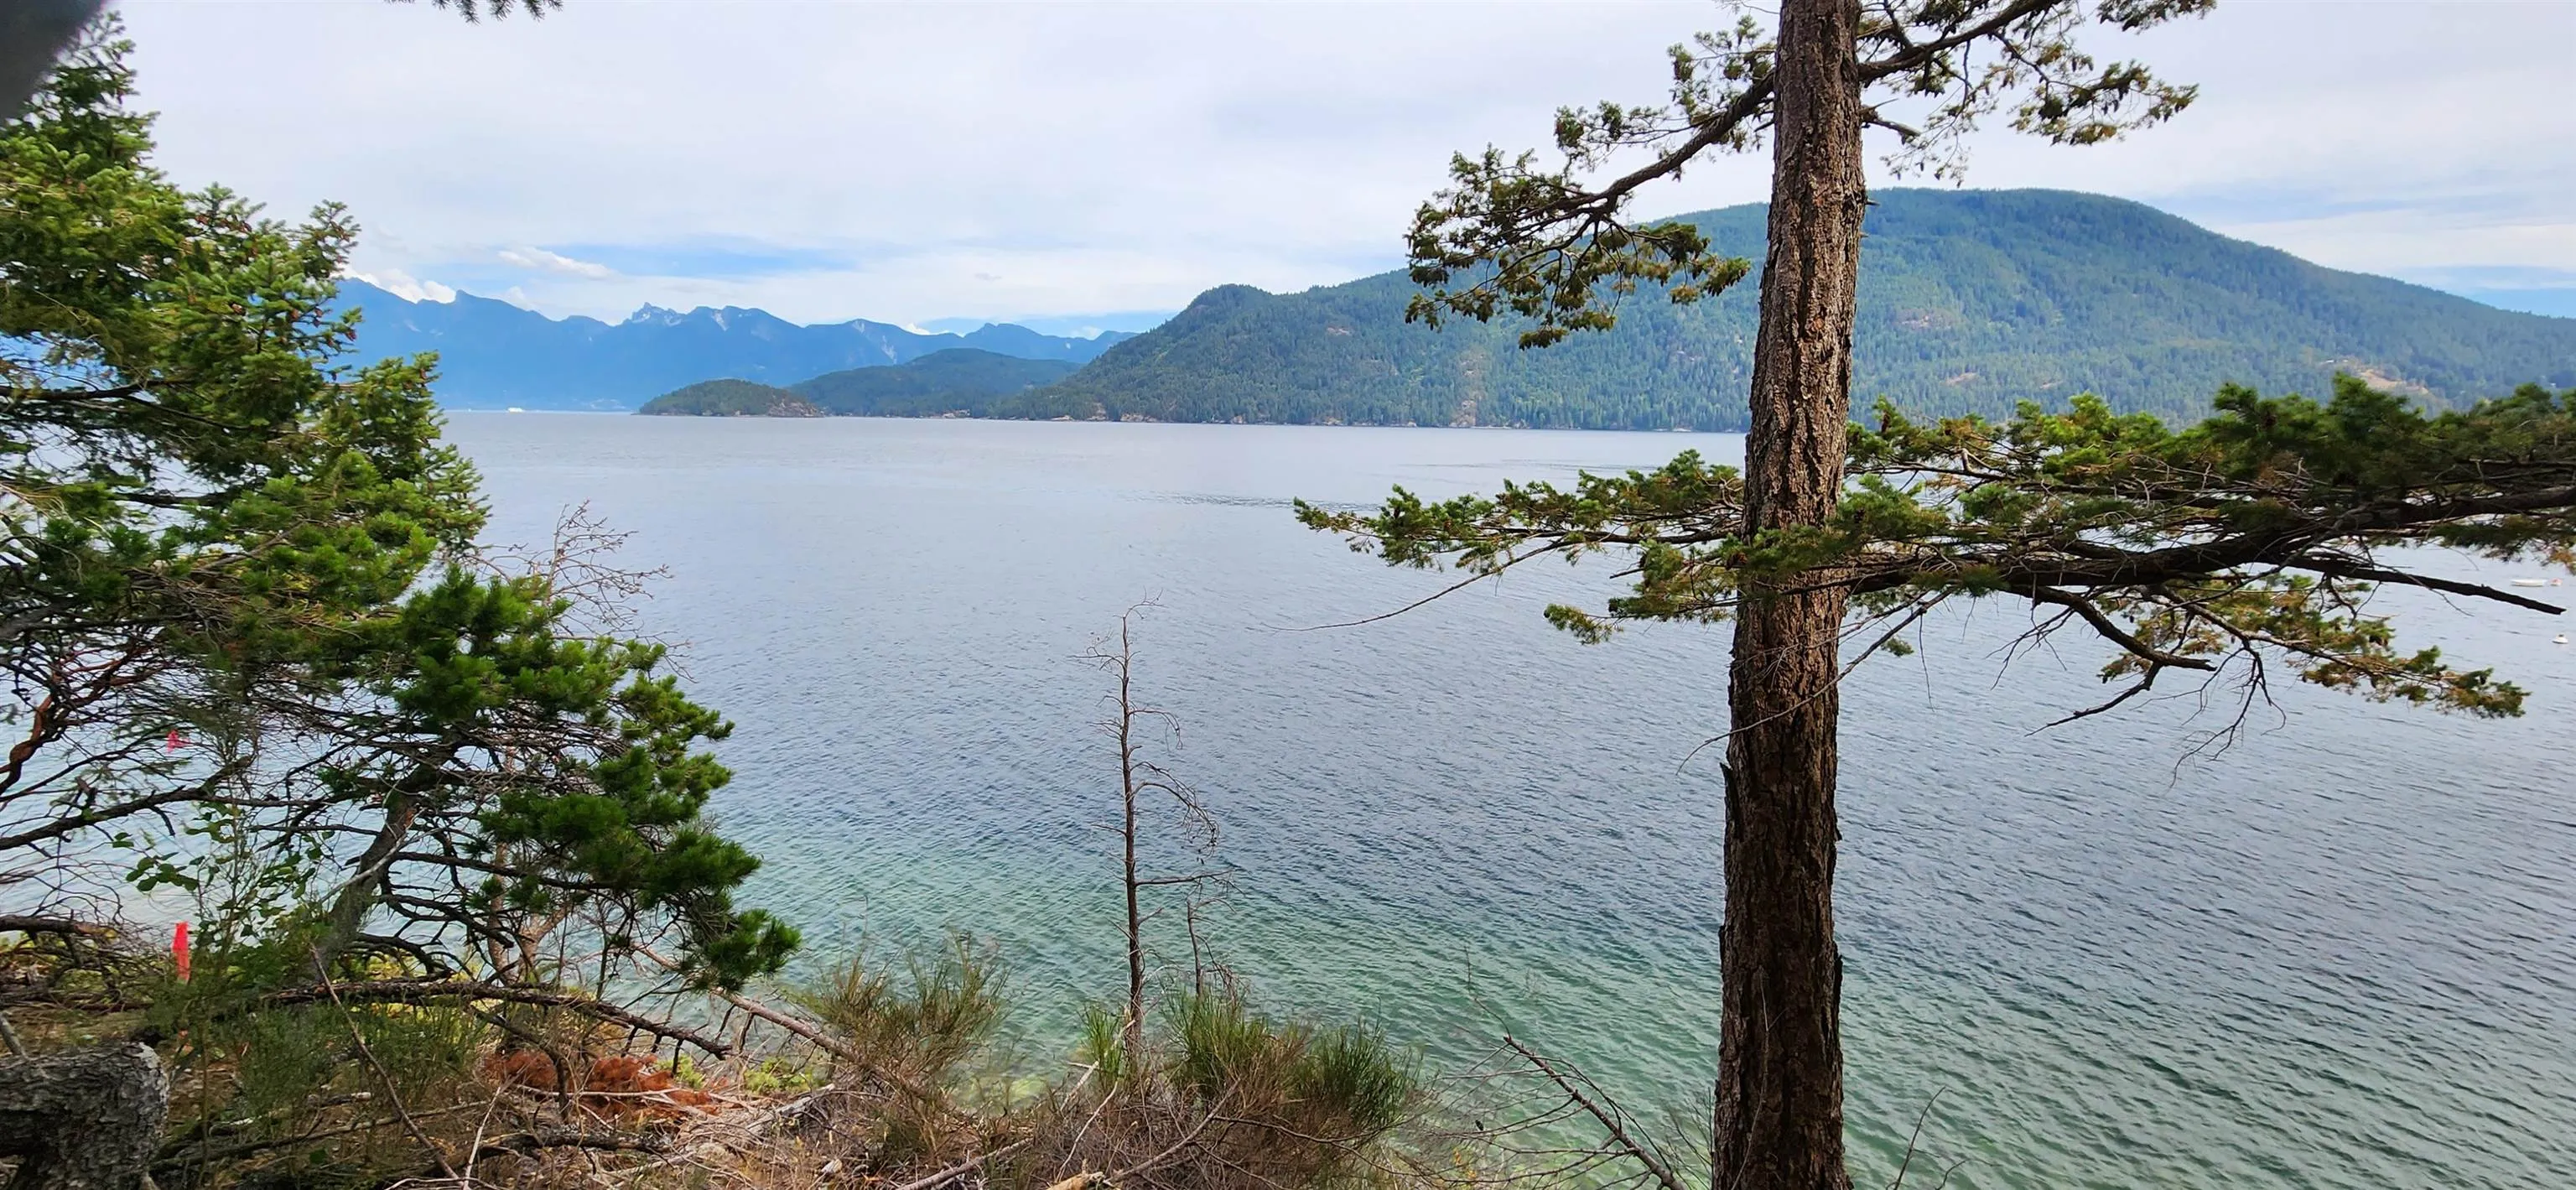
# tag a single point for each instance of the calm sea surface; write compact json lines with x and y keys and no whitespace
{"x":2340,"y":954}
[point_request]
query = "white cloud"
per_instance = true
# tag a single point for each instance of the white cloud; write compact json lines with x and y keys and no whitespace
{"x":1116,"y":156}
{"x":2413,"y":242}
{"x":405,"y":286}
{"x":539,"y":258}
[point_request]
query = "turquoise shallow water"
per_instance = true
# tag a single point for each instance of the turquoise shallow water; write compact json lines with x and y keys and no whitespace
{"x":2340,"y":954}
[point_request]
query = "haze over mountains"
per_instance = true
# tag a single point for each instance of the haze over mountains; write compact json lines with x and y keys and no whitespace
{"x":493,"y":354}
{"x":1970,"y":301}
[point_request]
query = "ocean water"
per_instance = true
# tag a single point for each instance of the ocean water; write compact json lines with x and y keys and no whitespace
{"x":2339,"y":953}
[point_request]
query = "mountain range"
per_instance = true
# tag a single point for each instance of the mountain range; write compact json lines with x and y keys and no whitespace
{"x":1970,"y":301}
{"x":493,"y":354}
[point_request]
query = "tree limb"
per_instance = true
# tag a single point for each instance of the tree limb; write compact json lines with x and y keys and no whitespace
{"x":418,"y":991}
{"x":1609,"y":1119}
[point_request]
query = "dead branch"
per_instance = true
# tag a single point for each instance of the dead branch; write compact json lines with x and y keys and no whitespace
{"x":1912,"y":1140}
{"x":393,"y":1097}
{"x":536,"y":1140}
{"x":963,"y":1168}
{"x":416,"y":991}
{"x":1609,"y":1118}
{"x":33,"y":924}
{"x":828,"y":1043}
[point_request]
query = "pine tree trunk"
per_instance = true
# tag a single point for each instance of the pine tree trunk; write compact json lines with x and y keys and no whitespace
{"x":1780,"y":1072}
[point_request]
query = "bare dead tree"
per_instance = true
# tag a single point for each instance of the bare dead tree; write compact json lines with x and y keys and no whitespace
{"x":1141,"y":781}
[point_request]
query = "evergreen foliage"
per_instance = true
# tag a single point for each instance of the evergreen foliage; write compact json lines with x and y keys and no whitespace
{"x":2246,"y":543}
{"x":957,"y":379}
{"x":731,"y":397}
{"x":2251,"y":539}
{"x":242,"y":596}
{"x":1970,"y":302}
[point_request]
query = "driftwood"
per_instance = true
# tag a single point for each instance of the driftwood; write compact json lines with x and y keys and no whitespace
{"x":38,"y":924}
{"x":83,"y":1120}
{"x":524,"y":1144}
{"x":421,"y":991}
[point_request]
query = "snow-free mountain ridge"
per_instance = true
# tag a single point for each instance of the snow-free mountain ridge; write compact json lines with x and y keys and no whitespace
{"x":493,"y":354}
{"x":1970,"y":301}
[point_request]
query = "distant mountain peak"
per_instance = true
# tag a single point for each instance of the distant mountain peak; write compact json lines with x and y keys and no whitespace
{"x":493,"y":354}
{"x":1970,"y":300}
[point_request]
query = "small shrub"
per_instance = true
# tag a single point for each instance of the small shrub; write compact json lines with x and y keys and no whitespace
{"x":1353,"y":1075}
{"x":950,"y":1006}
{"x":1103,"y":1046}
{"x":1225,"y":1047}
{"x":1229,"y":1099}
{"x":283,"y":1058}
{"x":780,"y":1075}
{"x":428,"y":1045}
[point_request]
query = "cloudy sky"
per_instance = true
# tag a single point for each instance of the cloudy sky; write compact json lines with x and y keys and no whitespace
{"x":1095,"y":165}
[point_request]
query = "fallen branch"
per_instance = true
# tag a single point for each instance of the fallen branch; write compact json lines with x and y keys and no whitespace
{"x":393,"y":1097}
{"x":1905,"y":1166}
{"x":415,"y":991}
{"x":1088,"y":1179}
{"x":33,"y":924}
{"x":1609,"y":1120}
{"x":522,"y":1144}
{"x":181,"y":1157}
{"x":762,"y":1122}
{"x":828,"y":1043}
{"x":962,"y":1168}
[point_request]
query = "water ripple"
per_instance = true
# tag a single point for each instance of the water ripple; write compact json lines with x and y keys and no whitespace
{"x":2336,"y":956}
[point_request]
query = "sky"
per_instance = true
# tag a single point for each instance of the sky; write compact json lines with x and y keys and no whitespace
{"x":1077,"y":166}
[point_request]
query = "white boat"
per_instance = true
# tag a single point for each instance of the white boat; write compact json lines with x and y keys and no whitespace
{"x":516,"y":409}
{"x":2520,"y":582}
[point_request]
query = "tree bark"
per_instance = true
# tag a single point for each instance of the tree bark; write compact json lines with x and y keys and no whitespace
{"x":1779,"y":1122}
{"x":366,"y":879}
{"x":83,"y":1120}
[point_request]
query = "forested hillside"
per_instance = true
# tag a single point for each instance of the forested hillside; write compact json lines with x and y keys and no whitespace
{"x":957,"y":380}
{"x":1969,"y":301}
{"x":731,"y":397}
{"x":493,"y":354}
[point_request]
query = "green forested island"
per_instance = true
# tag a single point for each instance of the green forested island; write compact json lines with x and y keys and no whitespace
{"x":959,"y":380}
{"x":732,"y":397}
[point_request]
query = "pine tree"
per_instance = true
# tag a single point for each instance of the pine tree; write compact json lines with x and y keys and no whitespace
{"x":2244,"y":543}
{"x":240,"y":591}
